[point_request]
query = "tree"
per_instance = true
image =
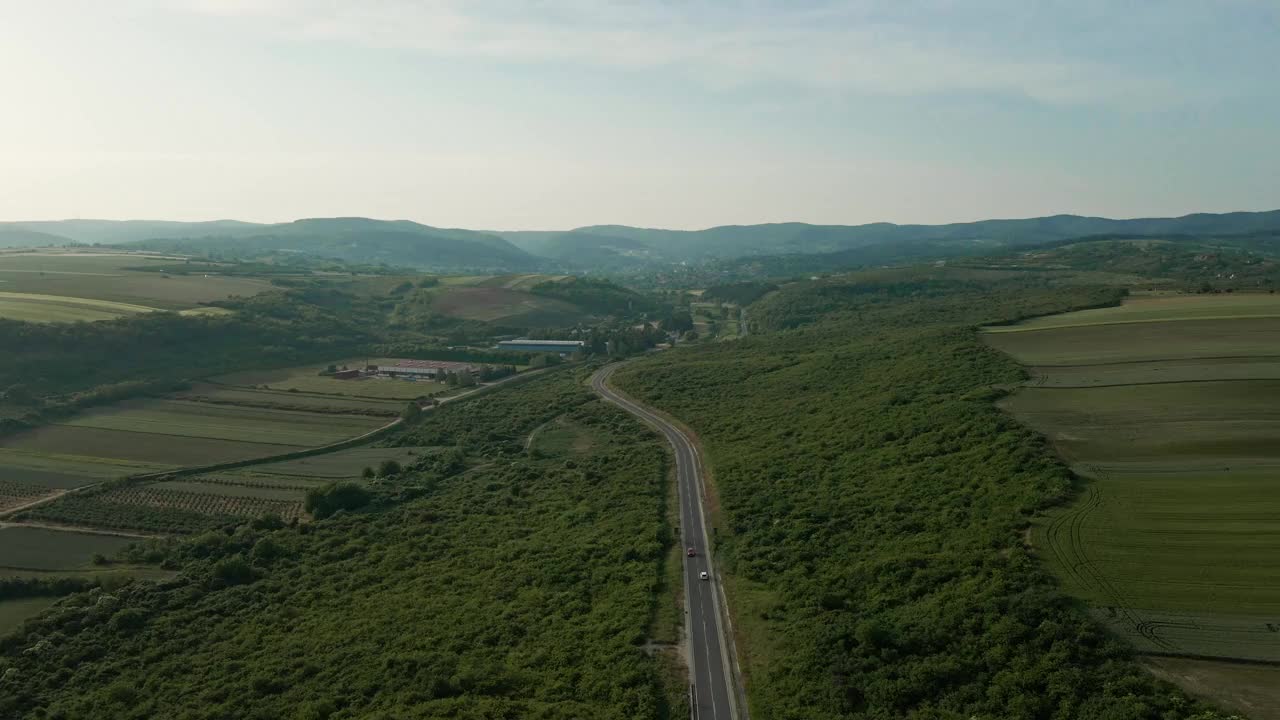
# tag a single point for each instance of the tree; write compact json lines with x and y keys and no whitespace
{"x":679,"y":321}
{"x":368,"y":473}
{"x":411,"y":412}
{"x":328,"y":499}
{"x":389,"y":468}
{"x":466,"y":379}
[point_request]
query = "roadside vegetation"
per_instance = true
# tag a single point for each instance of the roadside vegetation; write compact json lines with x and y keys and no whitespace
{"x":873,"y":503}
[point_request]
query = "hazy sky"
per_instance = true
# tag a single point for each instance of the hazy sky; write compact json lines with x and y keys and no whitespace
{"x":512,"y":114}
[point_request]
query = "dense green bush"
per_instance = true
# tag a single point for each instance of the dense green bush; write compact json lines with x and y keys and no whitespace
{"x":328,"y":499}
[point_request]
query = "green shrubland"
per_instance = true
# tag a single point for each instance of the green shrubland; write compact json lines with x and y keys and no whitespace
{"x":873,"y":504}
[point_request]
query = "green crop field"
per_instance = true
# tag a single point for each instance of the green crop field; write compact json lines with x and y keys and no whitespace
{"x":342,"y":464}
{"x":1159,"y":308}
{"x":1142,"y":342}
{"x":157,"y":451}
{"x":30,"y":548}
{"x":105,"y":276}
{"x":1167,"y":371}
{"x":64,"y":471}
{"x":1172,"y":417}
{"x":223,"y":422}
{"x":221,"y":394}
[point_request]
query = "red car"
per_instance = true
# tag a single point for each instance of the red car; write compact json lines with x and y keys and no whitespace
{"x":691,"y":552}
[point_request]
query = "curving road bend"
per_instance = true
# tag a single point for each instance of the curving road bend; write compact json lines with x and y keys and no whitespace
{"x":714,"y":696}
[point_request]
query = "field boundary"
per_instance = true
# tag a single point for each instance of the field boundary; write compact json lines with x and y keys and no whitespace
{"x":357,"y":441}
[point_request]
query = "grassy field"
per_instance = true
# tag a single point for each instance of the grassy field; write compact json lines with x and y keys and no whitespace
{"x":1213,"y":419}
{"x":105,"y":276}
{"x":307,"y":379}
{"x":30,"y":307}
{"x":191,"y":420}
{"x":1172,"y":418}
{"x":503,"y":304}
{"x":564,"y":437}
{"x":1252,"y":690}
{"x":14,"y":612}
{"x":29,"y":548}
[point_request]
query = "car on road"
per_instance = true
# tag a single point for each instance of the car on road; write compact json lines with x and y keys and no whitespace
{"x":703,"y":575}
{"x":691,"y":552}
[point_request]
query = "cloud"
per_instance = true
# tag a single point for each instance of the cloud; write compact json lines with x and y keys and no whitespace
{"x":1052,"y":53}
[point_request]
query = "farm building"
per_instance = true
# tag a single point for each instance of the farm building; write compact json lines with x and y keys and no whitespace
{"x":426,"y":369}
{"x":564,"y":347}
{"x":346,"y":375}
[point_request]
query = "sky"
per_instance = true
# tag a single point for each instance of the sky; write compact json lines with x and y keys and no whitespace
{"x":551,"y":114}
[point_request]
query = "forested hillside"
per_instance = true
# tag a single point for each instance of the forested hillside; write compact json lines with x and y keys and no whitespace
{"x":873,"y":504}
{"x":523,"y":588}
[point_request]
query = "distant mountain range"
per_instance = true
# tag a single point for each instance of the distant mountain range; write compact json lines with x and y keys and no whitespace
{"x":606,"y":247}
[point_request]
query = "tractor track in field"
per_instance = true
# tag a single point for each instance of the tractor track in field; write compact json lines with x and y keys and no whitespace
{"x":1071,"y":555}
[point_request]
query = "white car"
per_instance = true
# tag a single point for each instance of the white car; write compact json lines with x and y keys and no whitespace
{"x":704,"y":575}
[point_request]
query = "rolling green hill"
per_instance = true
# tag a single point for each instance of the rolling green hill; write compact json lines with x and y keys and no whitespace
{"x":360,"y":240}
{"x":799,"y":247}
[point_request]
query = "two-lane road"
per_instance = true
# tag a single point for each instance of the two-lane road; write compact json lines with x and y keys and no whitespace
{"x":709,"y":654}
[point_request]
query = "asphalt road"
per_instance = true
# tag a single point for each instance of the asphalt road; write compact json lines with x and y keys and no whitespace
{"x":709,"y":656}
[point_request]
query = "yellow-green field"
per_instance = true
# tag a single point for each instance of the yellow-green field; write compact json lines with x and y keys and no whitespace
{"x":1169,"y":407}
{"x":32,"y":307}
{"x":52,"y":286}
{"x":1159,"y":308}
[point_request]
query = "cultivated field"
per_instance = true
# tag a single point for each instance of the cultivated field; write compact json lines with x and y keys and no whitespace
{"x":161,"y":451}
{"x":1170,"y":408}
{"x":217,"y":424}
{"x":15,"y":494}
{"x":224,"y":422}
{"x":1159,"y":308}
{"x":342,"y":464}
{"x":65,"y":471}
{"x":107,"y":277}
{"x":307,"y":380}
{"x":1102,"y":343}
{"x":165,"y":508}
{"x":30,"y":307}
{"x":498,"y":304}
{"x":280,"y":399}
{"x":30,"y":548}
